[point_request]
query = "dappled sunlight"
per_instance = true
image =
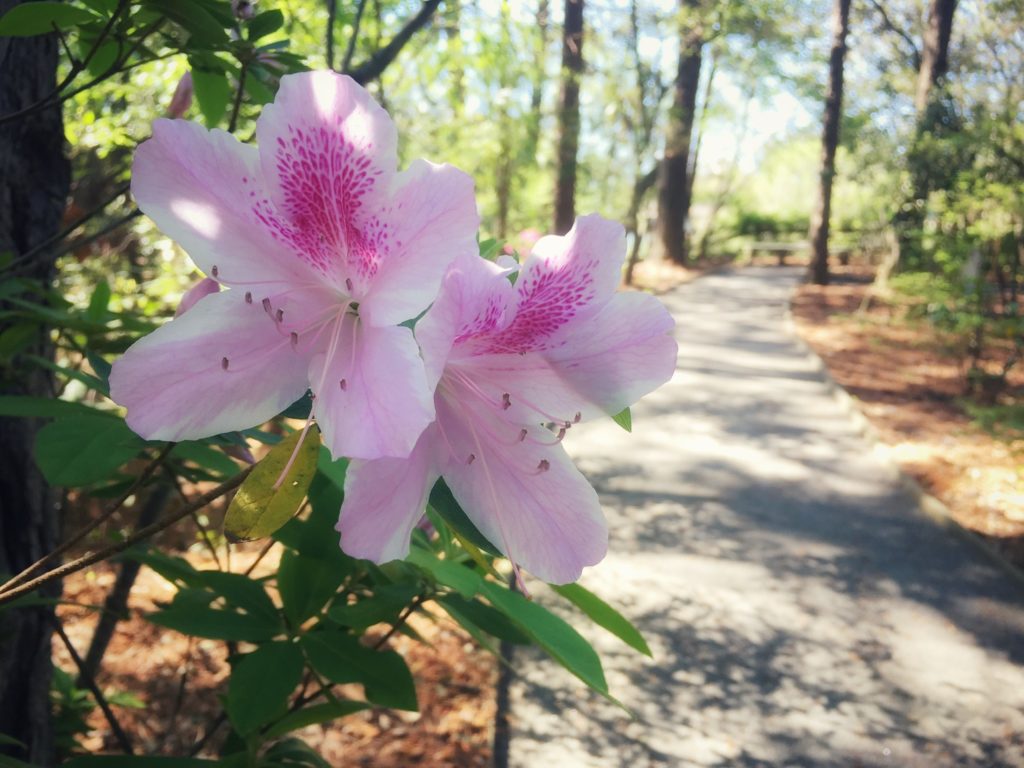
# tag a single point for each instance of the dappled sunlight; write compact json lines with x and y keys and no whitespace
{"x":204,"y":218}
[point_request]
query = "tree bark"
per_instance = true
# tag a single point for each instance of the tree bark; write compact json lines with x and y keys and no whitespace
{"x":569,"y":116}
{"x":673,"y":186}
{"x":829,"y":142}
{"x":34,"y":184}
{"x":935,"y":58}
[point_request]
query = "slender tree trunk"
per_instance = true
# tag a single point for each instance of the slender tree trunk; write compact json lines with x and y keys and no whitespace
{"x":691,"y":172}
{"x":829,"y":142}
{"x":673,"y":186}
{"x":537,"y":82}
{"x":935,"y":57}
{"x":933,"y":69}
{"x":569,"y":116}
{"x":34,"y":184}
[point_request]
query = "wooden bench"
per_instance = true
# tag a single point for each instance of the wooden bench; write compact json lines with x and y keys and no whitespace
{"x":781,"y":249}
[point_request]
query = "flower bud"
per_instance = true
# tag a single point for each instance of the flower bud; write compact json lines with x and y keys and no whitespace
{"x":182,"y":98}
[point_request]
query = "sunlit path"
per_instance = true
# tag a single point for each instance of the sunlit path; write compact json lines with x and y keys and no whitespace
{"x":802,"y":611}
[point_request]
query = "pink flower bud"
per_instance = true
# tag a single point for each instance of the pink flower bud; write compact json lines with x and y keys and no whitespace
{"x":200,"y":290}
{"x":182,"y":98}
{"x":243,"y":9}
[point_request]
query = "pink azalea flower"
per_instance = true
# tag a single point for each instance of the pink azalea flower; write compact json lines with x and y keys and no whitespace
{"x":516,"y":367}
{"x":324,"y":249}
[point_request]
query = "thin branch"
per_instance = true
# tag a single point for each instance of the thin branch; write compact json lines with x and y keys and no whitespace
{"x":122,"y":738}
{"x":376,"y":64}
{"x":400,"y":621}
{"x":38,"y":565}
{"x":73,"y":72}
{"x":915,"y":54}
{"x":237,"y":108}
{"x":85,"y":218}
{"x":86,"y":560}
{"x":351,"y":49}
{"x":332,"y":12}
{"x":214,"y":726}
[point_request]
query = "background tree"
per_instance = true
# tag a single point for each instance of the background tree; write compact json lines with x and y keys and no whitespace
{"x":569,"y":116}
{"x":829,"y":142}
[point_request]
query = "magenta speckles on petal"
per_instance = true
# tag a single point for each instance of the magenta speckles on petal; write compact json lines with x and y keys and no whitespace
{"x":319,"y":267}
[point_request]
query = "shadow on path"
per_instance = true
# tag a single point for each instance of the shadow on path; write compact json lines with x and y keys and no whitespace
{"x":802,"y":610}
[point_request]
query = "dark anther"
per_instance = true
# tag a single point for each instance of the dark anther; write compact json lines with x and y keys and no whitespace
{"x":343,"y":384}
{"x":506,"y":401}
{"x":224,"y":363}
{"x":248,"y":297}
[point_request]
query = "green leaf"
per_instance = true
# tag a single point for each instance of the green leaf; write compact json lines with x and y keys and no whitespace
{"x":463,"y":580}
{"x":341,"y":658}
{"x":137,"y":761}
{"x":490,"y":249}
{"x":99,"y":301}
{"x":46,"y":407}
{"x":383,"y":606}
{"x":102,"y":60}
{"x":29,"y":19}
{"x":315,"y":715}
{"x":13,"y":762}
{"x":261,"y":684}
{"x":242,"y":592}
{"x":205,"y":456}
{"x":604,"y":615}
{"x":331,"y":469}
{"x":444,"y":503}
{"x":292,"y":753}
{"x":306,"y":584}
{"x":482,"y":616}
{"x":176,"y":570}
{"x":562,"y":642}
{"x":624,"y":419}
{"x":259,"y":509}
{"x":84,"y":449}
{"x":265,"y":23}
{"x":215,"y":623}
{"x":213,"y":92}
{"x":202,"y":26}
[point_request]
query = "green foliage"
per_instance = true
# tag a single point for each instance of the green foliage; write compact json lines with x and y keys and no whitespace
{"x":269,"y":498}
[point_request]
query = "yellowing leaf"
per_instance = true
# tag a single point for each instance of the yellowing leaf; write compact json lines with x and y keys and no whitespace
{"x":259,"y":508}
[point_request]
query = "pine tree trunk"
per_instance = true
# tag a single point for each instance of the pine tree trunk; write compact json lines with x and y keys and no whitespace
{"x":935,"y":58}
{"x":569,"y":116}
{"x":34,"y":182}
{"x":829,"y":142}
{"x":673,"y":184}
{"x":934,"y":66}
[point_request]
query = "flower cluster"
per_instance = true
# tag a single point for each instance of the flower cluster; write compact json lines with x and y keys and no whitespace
{"x":328,"y":253}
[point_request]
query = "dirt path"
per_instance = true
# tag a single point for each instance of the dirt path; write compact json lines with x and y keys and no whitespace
{"x":801,"y":609}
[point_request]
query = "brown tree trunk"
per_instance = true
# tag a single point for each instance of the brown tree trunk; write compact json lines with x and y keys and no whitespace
{"x":34,"y":183}
{"x":934,"y":66}
{"x":673,"y":185}
{"x":829,"y":142}
{"x":935,"y":57}
{"x":569,"y":116}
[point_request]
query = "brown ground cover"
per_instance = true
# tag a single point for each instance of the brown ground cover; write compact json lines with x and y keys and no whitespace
{"x":909,"y":382}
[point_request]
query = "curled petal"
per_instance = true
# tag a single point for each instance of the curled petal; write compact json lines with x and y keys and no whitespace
{"x":384,"y":500}
{"x":372,"y":399}
{"x":221,"y":367}
{"x":474,"y":301}
{"x":203,"y":288}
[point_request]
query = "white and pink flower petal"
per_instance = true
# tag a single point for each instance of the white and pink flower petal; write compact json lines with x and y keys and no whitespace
{"x":385,"y":499}
{"x":563,"y":282}
{"x":199,"y":187}
{"x":525,"y":495}
{"x":475,"y":300}
{"x":329,"y":153}
{"x":431,"y":221}
{"x":371,"y":394}
{"x":225,"y":365}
